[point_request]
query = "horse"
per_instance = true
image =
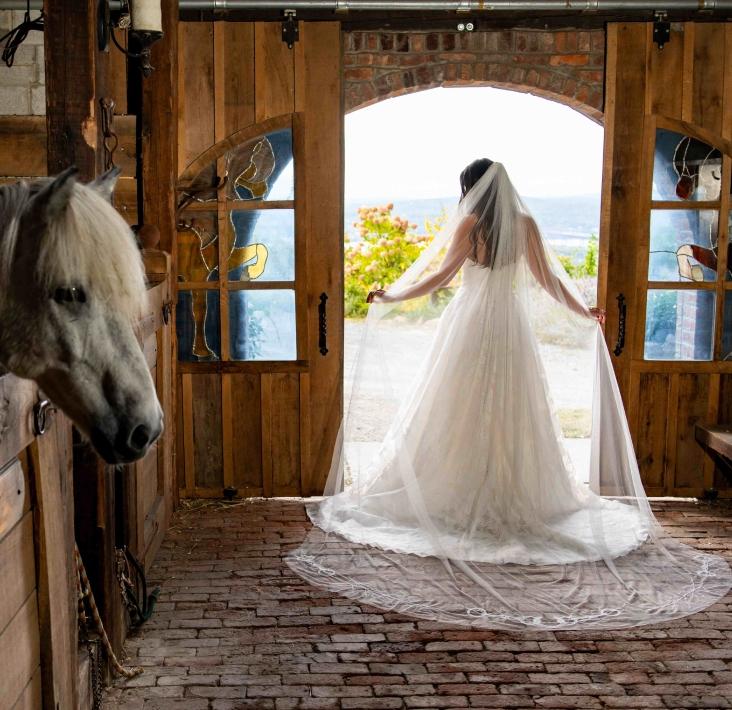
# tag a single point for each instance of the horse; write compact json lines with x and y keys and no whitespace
{"x":72,"y":288}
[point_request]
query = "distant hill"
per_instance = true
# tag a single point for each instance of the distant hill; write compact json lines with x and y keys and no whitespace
{"x":567,"y":222}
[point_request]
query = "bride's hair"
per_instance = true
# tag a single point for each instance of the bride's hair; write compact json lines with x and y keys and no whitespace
{"x":484,"y":211}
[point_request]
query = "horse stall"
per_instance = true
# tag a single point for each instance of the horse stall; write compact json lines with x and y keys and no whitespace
{"x":55,"y":490}
{"x":201,"y":123}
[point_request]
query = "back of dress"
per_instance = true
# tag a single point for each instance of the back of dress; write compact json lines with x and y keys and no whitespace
{"x":468,"y":508}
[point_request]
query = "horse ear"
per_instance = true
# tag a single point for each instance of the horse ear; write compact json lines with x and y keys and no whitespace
{"x":53,"y":198}
{"x":106,"y":182}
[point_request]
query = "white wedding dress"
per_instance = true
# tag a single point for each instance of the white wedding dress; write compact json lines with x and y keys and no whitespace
{"x":471,"y":511}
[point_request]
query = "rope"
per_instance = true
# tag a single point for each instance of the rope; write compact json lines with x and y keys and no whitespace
{"x":18,"y":35}
{"x":84,"y":592}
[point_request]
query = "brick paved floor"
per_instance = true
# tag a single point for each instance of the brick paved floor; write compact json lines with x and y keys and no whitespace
{"x":236,"y":629}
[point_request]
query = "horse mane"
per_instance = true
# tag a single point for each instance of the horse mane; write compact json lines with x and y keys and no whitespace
{"x":89,"y":245}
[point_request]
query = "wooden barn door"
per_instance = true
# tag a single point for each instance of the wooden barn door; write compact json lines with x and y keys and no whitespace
{"x":259,"y":259}
{"x":666,"y":223}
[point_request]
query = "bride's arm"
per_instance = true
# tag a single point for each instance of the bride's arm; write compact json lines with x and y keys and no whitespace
{"x":544,"y":274}
{"x":457,"y":252}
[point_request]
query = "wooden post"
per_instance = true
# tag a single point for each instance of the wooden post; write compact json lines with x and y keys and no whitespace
{"x":160,"y":174}
{"x":71,"y":86}
{"x":57,"y":609}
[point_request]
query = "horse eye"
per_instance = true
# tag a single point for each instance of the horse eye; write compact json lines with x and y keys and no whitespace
{"x":68,"y":295}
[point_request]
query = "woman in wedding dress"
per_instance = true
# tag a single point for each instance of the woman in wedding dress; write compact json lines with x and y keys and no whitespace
{"x":470,"y":510}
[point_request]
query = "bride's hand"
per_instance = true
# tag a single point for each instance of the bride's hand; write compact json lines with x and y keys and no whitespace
{"x":598,"y":314}
{"x":374,"y":295}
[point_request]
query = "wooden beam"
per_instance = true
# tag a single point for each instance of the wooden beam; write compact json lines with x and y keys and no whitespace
{"x":159,"y":131}
{"x":160,"y":173}
{"x":71,"y":86}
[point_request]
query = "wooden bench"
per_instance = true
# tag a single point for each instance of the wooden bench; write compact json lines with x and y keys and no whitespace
{"x":717,"y":438}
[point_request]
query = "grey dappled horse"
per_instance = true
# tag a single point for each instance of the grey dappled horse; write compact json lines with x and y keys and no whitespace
{"x":72,"y":287}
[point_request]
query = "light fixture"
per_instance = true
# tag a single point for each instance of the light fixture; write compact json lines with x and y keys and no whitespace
{"x":144,"y":24}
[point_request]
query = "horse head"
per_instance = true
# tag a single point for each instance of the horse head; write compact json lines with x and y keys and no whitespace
{"x":72,"y":289}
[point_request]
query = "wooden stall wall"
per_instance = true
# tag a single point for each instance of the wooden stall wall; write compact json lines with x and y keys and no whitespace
{"x":268,"y":428}
{"x":689,"y":80}
{"x":38,"y":604}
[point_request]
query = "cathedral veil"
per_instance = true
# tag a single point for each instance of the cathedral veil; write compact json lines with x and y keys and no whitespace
{"x":497,"y":487}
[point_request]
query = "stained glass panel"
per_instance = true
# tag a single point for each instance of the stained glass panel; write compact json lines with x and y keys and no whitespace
{"x":685,"y":168}
{"x":262,"y":325}
{"x":264,"y":245}
{"x":197,"y":325}
{"x":679,"y":325}
{"x":727,"y":327}
{"x":198,"y":247}
{"x":683,"y":245}
{"x":261,"y":169}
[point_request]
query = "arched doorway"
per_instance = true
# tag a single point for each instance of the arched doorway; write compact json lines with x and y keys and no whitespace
{"x":403,"y":158}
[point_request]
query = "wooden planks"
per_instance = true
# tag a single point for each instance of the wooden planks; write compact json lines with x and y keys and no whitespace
{"x":196,"y":90}
{"x":17,"y":569}
{"x":13,"y":499}
{"x":274,"y":75}
{"x":20,"y":653}
{"x":238,"y":38}
{"x":625,"y":89}
{"x":57,"y":618}
{"x":208,"y":454}
{"x":708,"y":76}
{"x":691,"y":409}
{"x":318,"y":96}
{"x":285,"y":434}
{"x":665,"y":68}
{"x":246,"y":421}
{"x":17,"y":398}
{"x":31,"y":697}
{"x":652,"y":423}
{"x":23,"y":146}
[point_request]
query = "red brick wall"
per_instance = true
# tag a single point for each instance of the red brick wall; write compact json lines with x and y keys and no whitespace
{"x":567,"y":66}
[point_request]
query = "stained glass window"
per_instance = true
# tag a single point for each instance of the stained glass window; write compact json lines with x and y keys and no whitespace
{"x":679,"y":325}
{"x":262,"y":325}
{"x":261,"y":166}
{"x":685,"y":168}
{"x":240,"y":206}
{"x":727,"y":327}
{"x":198,"y":247}
{"x":197,"y":325}
{"x":683,"y":245}
{"x":264,"y":245}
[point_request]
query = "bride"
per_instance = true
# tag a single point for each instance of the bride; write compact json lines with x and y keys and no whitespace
{"x":470,"y":509}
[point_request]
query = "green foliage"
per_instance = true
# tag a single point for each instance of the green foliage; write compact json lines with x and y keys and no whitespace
{"x":387,"y":248}
{"x":588,"y":265}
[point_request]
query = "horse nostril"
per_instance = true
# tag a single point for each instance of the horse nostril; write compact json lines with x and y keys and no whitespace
{"x":140,"y":437}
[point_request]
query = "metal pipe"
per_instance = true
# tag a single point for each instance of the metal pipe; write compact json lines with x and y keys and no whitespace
{"x":471,"y":6}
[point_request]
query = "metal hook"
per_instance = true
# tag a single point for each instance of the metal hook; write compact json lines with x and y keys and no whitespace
{"x":41,"y":412}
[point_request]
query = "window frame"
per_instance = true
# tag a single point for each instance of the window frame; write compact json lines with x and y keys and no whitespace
{"x":222,"y":208}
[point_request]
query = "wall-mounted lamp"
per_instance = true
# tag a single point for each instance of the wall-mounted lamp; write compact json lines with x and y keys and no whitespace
{"x":144,"y":24}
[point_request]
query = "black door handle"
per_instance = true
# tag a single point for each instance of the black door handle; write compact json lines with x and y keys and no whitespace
{"x":622,"y":311}
{"x":323,"y":325}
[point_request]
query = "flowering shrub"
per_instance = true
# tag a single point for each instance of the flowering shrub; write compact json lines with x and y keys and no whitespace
{"x":387,"y":247}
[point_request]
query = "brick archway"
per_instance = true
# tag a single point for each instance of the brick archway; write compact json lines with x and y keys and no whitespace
{"x":564,"y":65}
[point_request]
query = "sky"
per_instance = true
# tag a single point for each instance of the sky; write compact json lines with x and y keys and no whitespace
{"x":415,"y":146}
